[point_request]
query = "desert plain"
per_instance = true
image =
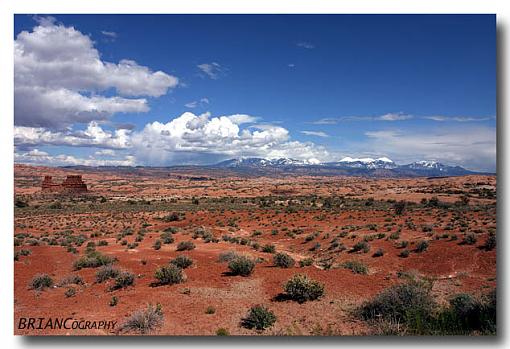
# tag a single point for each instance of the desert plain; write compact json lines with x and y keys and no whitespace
{"x":355,"y":236}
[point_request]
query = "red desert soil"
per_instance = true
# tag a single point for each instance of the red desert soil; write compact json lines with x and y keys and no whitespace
{"x":255,"y":212}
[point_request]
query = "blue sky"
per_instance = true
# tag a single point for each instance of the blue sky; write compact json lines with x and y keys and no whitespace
{"x":321,"y":87}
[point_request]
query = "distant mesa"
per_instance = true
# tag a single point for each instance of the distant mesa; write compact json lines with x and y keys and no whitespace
{"x":72,"y":184}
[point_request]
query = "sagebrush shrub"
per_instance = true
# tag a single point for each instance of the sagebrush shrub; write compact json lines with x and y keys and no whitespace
{"x":469,"y":239}
{"x":227,"y":256}
{"x":283,"y":260}
{"x":490,"y":243}
{"x":301,"y":288}
{"x":182,"y":262}
{"x":72,"y":280}
{"x":241,"y":265}
{"x":259,"y":318}
{"x":93,"y":259}
{"x":399,"y":302}
{"x":361,"y":246}
{"x":169,"y":275}
{"x":124,"y":279}
{"x":269,"y":248}
{"x":422,"y":246}
{"x":306,"y":262}
{"x":185,"y":246}
{"x":70,"y":292}
{"x":222,"y":332}
{"x":356,"y":267}
{"x":146,"y":320}
{"x":106,"y":272}
{"x":41,"y":281}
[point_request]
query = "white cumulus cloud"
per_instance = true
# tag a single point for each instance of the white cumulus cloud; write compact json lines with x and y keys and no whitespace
{"x":93,"y":136}
{"x":200,"y":138}
{"x":59,"y":76}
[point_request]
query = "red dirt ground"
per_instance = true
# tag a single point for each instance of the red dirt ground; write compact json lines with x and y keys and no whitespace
{"x":452,"y":267}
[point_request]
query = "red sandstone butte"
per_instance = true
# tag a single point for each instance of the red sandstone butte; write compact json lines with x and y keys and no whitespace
{"x":72,"y":184}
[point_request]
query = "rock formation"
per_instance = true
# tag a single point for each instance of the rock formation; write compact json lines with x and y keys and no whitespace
{"x":72,"y":184}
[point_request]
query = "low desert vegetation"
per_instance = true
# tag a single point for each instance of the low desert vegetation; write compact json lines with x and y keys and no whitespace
{"x":301,"y":288}
{"x":169,"y":275}
{"x":70,"y":292}
{"x":269,"y":248}
{"x":283,"y":260}
{"x":306,"y":262}
{"x":106,"y":272}
{"x":421,"y":246}
{"x":93,"y":259}
{"x":241,"y":265}
{"x":356,"y":267}
{"x":40,"y":282}
{"x":72,"y":280}
{"x":123,"y":279}
{"x":361,"y":246}
{"x":469,"y":239}
{"x":182,"y":262}
{"x":259,"y":318}
{"x":410,"y":309}
{"x":227,"y":256}
{"x":490,"y":243}
{"x":145,"y":321}
{"x":185,"y":246}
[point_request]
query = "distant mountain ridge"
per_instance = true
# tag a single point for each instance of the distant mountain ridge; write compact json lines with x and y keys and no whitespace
{"x":380,"y":167}
{"x":253,"y":166}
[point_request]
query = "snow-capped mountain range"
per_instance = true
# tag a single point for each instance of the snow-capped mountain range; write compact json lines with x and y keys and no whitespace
{"x":382,"y":166}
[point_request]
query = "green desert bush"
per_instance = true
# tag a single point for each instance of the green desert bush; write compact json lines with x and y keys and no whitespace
{"x":93,"y":259}
{"x":169,"y":275}
{"x":467,"y":314}
{"x":113,"y":301}
{"x":72,"y":280}
{"x":361,"y":246}
{"x":490,"y":243}
{"x":259,"y":318}
{"x":421,"y":246}
{"x":41,"y":281}
{"x":106,"y":272}
{"x":145,"y":321}
{"x":227,"y":256}
{"x":400,"y":304}
{"x":469,"y":239}
{"x":241,"y":265}
{"x":269,"y":248}
{"x":182,"y":262}
{"x":222,"y":332}
{"x":399,"y":207}
{"x":70,"y":292}
{"x":283,"y":260}
{"x":185,"y":246}
{"x":300,"y":288}
{"x":123,"y":280}
{"x":410,"y":309}
{"x":210,"y":310}
{"x":356,"y":267}
{"x":306,"y":262}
